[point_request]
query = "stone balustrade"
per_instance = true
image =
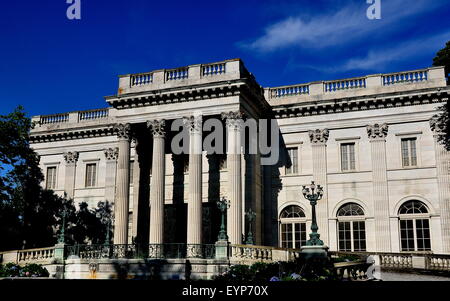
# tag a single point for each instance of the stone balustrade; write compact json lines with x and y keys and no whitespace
{"x":177,"y":74}
{"x":250,"y":252}
{"x":359,"y":86}
{"x":437,"y":262}
{"x":289,"y":91}
{"x":141,"y":79}
{"x":213,"y":69}
{"x":93,"y":114}
{"x":55,"y":118}
{"x":396,"y":260}
{"x":353,"y":83}
{"x":405,"y":77}
{"x":40,"y":255}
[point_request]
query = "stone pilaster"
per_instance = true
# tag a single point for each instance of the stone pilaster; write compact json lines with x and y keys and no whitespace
{"x":157,"y":182}
{"x":123,"y":185}
{"x":319,"y":140}
{"x":111,"y":155}
{"x":234,"y":164}
{"x":377,"y":134}
{"x":71,"y":159}
{"x":194,"y":225}
{"x":443,"y":178}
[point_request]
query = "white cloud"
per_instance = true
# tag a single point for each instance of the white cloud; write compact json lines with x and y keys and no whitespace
{"x":337,"y":27}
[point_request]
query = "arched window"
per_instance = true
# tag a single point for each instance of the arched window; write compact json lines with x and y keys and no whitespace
{"x":414,"y":220}
{"x":292,"y":227}
{"x":351,"y":228}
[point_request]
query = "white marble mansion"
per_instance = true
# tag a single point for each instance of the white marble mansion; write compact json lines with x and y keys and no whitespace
{"x":369,"y":141}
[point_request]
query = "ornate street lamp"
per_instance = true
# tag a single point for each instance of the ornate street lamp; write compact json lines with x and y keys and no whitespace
{"x":250,"y":215}
{"x":313,"y":194}
{"x":223,"y":205}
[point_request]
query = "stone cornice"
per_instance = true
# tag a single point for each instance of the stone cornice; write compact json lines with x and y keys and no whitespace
{"x":359,"y":104}
{"x":71,"y":134}
{"x":227,"y":88}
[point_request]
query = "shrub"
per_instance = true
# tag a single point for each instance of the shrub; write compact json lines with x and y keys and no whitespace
{"x":29,"y":270}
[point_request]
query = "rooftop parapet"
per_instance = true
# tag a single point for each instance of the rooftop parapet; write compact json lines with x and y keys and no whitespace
{"x":183,"y":76}
{"x":359,"y":86}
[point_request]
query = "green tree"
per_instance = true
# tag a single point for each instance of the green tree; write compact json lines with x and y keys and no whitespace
{"x":442,"y":58}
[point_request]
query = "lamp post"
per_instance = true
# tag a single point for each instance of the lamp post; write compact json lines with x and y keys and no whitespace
{"x":61,"y":238}
{"x":223,"y":204}
{"x":313,"y":194}
{"x":250,"y":215}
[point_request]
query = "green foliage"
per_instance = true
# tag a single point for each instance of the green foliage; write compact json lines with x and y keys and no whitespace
{"x":30,"y":270}
{"x":29,"y":214}
{"x":443,"y":59}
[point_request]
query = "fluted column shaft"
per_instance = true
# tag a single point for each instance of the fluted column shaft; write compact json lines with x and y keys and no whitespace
{"x":443,"y":178}
{"x":194,"y":218}
{"x":111,"y":156}
{"x":377,"y":135}
{"x":157,"y":191}
{"x":71,"y":159}
{"x":123,"y":186}
{"x":319,"y":140}
{"x":234,"y":165}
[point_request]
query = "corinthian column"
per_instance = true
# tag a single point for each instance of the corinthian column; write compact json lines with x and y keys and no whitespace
{"x":234,"y":217}
{"x":111,"y":155}
{"x":71,"y":159}
{"x":377,"y":135}
{"x":194,"y":223}
{"x":157,"y":182}
{"x":443,"y":178}
{"x":123,"y":185}
{"x":319,"y":140}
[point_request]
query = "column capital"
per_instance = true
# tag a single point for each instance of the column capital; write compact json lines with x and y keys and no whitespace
{"x":233,"y":119}
{"x":111,"y":154}
{"x":123,"y":131}
{"x":377,"y":131}
{"x":193,"y":123}
{"x":319,"y":136}
{"x":71,"y":157}
{"x":157,"y":126}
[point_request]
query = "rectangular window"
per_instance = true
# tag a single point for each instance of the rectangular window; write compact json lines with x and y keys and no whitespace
{"x":51,"y":178}
{"x":348,"y":157}
{"x":359,"y":236}
{"x":407,"y":235}
{"x":409,"y":153}
{"x":292,"y":162}
{"x":91,"y":174}
{"x":423,"y":235}
{"x":345,"y":243}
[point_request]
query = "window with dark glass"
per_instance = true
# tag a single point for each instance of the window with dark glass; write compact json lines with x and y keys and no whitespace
{"x":414,"y":227}
{"x":351,"y":228}
{"x":293,"y":227}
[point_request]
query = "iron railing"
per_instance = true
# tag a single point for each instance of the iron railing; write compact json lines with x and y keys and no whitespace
{"x":156,"y":251}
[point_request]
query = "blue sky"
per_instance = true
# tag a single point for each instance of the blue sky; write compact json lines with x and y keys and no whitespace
{"x":51,"y":64}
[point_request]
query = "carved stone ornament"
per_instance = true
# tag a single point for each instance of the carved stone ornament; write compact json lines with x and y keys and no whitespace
{"x":123,"y":131}
{"x":157,"y":127}
{"x":111,"y":154}
{"x":233,"y":120}
{"x":193,"y":123}
{"x":377,"y":130}
{"x":319,"y":136}
{"x":71,"y":157}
